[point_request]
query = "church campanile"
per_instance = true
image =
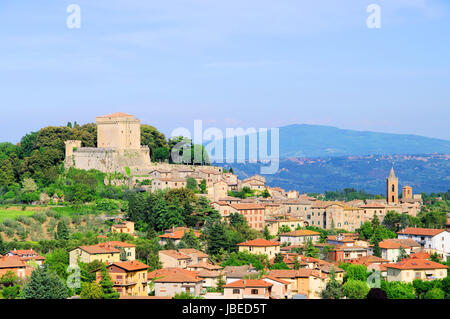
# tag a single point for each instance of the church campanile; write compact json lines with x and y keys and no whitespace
{"x":392,"y":188}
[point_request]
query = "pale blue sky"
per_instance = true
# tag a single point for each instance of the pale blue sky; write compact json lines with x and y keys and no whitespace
{"x":260,"y":63}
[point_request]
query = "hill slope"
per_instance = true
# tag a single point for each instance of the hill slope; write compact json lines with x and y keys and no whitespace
{"x":318,"y":140}
{"x":425,"y":173}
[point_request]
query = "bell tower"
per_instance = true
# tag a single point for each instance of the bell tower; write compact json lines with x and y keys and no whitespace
{"x":392,"y":188}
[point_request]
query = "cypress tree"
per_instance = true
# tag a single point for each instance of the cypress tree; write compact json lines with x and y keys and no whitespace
{"x":45,"y":284}
{"x":107,"y":285}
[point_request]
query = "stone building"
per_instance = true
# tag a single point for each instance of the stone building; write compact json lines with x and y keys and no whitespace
{"x":392,"y":188}
{"x":118,"y":146}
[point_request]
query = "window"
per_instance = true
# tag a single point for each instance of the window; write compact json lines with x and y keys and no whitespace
{"x":235,"y":291}
{"x":254,"y":291}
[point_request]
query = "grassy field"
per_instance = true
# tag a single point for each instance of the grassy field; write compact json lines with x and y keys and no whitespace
{"x":12,"y":214}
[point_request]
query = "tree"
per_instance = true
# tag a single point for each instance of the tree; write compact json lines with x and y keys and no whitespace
{"x":284,"y":229}
{"x":161,"y":154}
{"x":11,"y":292}
{"x":106,"y":283}
{"x":189,"y":240}
{"x":354,"y":272}
{"x":202,"y":186}
{"x":398,"y":290}
{"x":154,"y":139}
{"x":191,"y":183}
{"x":402,"y":254}
{"x":355,"y":289}
{"x":279,"y":258}
{"x":266,"y":233}
{"x":333,"y":289}
{"x":8,"y":279}
{"x":29,"y":185}
{"x":311,"y":251}
{"x":62,"y":232}
{"x":57,"y":261}
{"x":91,"y":290}
{"x":435,"y":293}
{"x":186,"y":295}
{"x":44,"y":284}
{"x":365,"y":231}
{"x":377,"y":250}
{"x":216,"y":239}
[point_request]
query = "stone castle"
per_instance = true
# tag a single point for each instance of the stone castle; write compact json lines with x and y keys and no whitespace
{"x":118,"y":146}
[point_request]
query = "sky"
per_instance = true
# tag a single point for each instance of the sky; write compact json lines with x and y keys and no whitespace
{"x":229,"y":63}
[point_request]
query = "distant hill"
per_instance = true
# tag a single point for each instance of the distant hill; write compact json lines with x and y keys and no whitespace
{"x":317,"y":140}
{"x":322,"y":141}
{"x":425,"y":173}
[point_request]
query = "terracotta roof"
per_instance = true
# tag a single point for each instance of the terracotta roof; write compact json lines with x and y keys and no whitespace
{"x":239,"y":271}
{"x":420,"y":255}
{"x":204,"y":273}
{"x":421,"y":231}
{"x":367,"y":260}
{"x":117,"y":114}
{"x":244,"y":283}
{"x":174,"y":254}
{"x":174,"y":275}
{"x":94,"y":249}
{"x":192,"y":251}
{"x":11,"y":262}
{"x":277,"y":280}
{"x":106,"y":247}
{"x":291,"y":273}
{"x":27,"y":254}
{"x":246,"y":206}
{"x":413,"y":263}
{"x":398,"y":243}
{"x":131,"y":265}
{"x":300,"y":233}
{"x":259,"y":242}
{"x":178,"y":234}
{"x":204,"y":265}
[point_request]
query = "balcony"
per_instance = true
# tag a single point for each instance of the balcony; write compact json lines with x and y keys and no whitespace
{"x":124,"y":282}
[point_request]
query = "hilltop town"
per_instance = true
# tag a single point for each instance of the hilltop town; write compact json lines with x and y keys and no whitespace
{"x":139,"y":228}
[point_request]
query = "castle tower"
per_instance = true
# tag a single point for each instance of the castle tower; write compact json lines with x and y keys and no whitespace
{"x":392,"y":188}
{"x":71,"y":146}
{"x":407,"y":192}
{"x":118,"y":131}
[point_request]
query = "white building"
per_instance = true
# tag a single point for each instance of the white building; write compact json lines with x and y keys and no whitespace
{"x":431,"y":240}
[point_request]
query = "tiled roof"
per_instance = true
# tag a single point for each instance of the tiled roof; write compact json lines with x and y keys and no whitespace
{"x":277,"y":280}
{"x":420,"y":255}
{"x":11,"y":262}
{"x":192,"y":251}
{"x":117,"y":114}
{"x":398,"y":243}
{"x":300,"y":233}
{"x":108,"y":247}
{"x":413,"y":263}
{"x":174,"y":275}
{"x":205,"y":265}
{"x":420,"y":231}
{"x":292,"y":273}
{"x":178,"y":234}
{"x":131,"y":265}
{"x":246,"y":206}
{"x":174,"y":254}
{"x":259,"y":242}
{"x":367,"y":260}
{"x":244,"y":283}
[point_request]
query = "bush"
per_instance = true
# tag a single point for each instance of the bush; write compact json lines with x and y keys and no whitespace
{"x":355,"y":289}
{"x":435,"y":293}
{"x":40,"y":217}
{"x":106,"y":205}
